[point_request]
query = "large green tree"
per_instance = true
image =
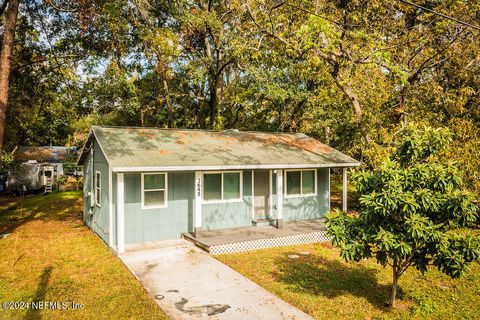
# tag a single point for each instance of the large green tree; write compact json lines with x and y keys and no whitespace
{"x":413,"y":209}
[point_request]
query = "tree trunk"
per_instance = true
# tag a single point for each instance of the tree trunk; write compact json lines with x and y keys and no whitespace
{"x":168,"y":103}
{"x":393,"y":293}
{"x":357,"y":107}
{"x":213,"y":102}
{"x":5,"y":61}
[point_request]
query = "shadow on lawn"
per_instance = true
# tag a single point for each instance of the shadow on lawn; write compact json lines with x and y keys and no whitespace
{"x":321,"y":276}
{"x":40,"y":293}
{"x":60,"y":206}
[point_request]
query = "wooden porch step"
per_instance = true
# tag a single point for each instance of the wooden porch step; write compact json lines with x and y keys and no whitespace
{"x":264,"y":222}
{"x":192,"y":238}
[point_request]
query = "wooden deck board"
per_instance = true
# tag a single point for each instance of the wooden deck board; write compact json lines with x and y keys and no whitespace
{"x":206,"y":239}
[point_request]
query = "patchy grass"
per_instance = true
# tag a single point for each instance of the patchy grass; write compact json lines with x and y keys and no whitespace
{"x":52,"y":256}
{"x":324,"y":286}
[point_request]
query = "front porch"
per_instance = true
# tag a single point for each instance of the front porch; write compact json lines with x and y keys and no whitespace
{"x":254,"y":238}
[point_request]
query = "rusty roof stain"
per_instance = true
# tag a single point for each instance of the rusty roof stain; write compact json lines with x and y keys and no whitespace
{"x":127,"y":147}
{"x":51,"y":154}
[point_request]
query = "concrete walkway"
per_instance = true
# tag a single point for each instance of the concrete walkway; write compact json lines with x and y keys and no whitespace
{"x":187,"y":283}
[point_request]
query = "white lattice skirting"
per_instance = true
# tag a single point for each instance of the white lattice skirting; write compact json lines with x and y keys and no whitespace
{"x":304,"y":238}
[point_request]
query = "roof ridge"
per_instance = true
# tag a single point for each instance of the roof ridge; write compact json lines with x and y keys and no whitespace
{"x":189,"y":129}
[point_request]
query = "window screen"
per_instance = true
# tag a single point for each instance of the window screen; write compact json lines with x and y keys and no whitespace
{"x":301,"y":182}
{"x":308,"y":181}
{"x":231,"y":186}
{"x":154,"y":190}
{"x":98,"y":188}
{"x":293,"y":182}
{"x":221,"y":186}
{"x":213,"y":187}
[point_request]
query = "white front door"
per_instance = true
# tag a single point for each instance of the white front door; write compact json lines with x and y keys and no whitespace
{"x":261,"y":194}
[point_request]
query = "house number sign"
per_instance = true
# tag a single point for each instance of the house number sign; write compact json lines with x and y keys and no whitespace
{"x":198,"y":188}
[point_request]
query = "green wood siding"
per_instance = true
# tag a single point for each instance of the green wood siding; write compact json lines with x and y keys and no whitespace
{"x":87,"y":180}
{"x":98,"y":221}
{"x":230,"y":214}
{"x":142,"y":225}
{"x":310,"y":207}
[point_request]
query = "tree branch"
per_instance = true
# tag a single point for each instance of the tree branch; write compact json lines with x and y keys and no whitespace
{"x":54,"y":6}
{"x":3,"y":7}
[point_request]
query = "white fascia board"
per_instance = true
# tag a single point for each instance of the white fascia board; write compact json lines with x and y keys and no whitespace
{"x":92,"y":134}
{"x":100,"y":145}
{"x":235,"y":167}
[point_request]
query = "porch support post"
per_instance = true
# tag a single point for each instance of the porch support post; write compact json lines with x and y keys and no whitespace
{"x":120,"y":213}
{"x":198,"y":202}
{"x":110,"y":208}
{"x":329,"y":190}
{"x":344,"y":195}
{"x":279,"y":198}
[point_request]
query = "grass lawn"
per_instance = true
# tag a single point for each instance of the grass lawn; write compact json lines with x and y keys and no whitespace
{"x":52,"y":256}
{"x":324,"y":286}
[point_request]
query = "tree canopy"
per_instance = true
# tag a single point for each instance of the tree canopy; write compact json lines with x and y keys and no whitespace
{"x":349,"y":73}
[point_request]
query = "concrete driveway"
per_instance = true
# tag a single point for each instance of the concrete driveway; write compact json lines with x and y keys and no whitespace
{"x":187,"y":283}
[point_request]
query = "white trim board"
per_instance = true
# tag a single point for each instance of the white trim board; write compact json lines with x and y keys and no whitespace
{"x":120,"y":214}
{"x":110,"y":208}
{"x":198,"y":198}
{"x":253,"y":194}
{"x":329,"y":191}
{"x":92,"y":134}
{"x":270,"y":195}
{"x":234,"y":167}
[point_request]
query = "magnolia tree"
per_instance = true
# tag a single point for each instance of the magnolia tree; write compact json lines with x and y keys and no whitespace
{"x":413,"y":211}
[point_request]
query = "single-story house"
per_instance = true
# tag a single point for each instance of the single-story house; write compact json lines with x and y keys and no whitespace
{"x":150,"y":184}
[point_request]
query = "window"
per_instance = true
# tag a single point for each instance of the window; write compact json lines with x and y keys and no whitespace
{"x":222,"y":186}
{"x":300,"y":182}
{"x":98,"y":188}
{"x":154,"y":190}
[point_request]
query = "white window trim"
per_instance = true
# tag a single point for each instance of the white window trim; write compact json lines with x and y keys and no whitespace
{"x":165,"y":205}
{"x":222,"y":201}
{"x":98,"y":190}
{"x":300,"y":195}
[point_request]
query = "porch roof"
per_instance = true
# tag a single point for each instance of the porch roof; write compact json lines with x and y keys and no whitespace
{"x":155,"y":149}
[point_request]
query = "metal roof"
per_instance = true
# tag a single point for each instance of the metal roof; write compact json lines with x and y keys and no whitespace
{"x":51,"y":154}
{"x":155,"y":149}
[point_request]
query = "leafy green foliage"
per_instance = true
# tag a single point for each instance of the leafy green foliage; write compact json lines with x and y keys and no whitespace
{"x":413,"y":207}
{"x":7,"y":161}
